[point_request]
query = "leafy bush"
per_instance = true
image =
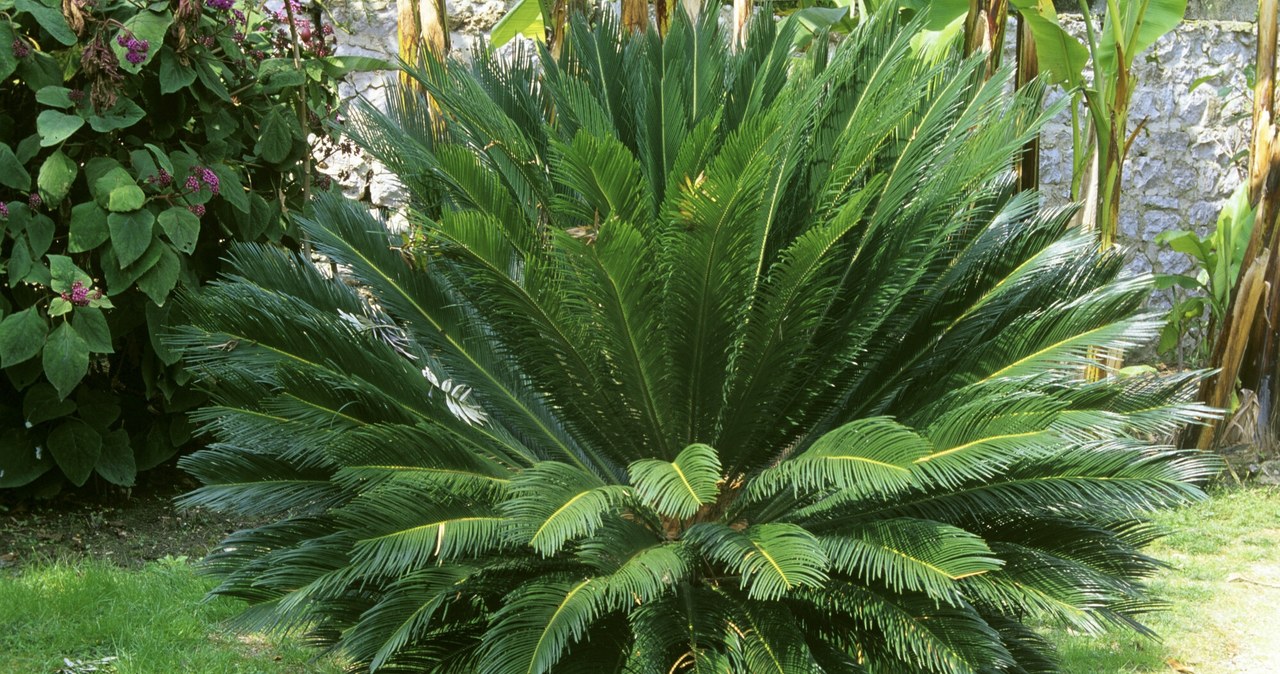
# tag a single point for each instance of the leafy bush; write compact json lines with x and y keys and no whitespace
{"x":697,"y":361}
{"x":136,"y":141}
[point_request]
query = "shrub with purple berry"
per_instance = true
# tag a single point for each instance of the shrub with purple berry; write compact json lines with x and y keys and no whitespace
{"x":127,"y":169}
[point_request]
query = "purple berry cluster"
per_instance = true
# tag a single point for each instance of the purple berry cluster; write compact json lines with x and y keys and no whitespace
{"x":20,"y":48}
{"x":197,"y":209}
{"x":4,"y":210}
{"x":34,"y":201}
{"x":161,"y":179}
{"x":202,"y":176}
{"x":80,"y":295}
{"x":220,"y":5}
{"x":136,"y":49}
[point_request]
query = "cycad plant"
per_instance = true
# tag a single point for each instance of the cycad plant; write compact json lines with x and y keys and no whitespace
{"x":694,"y":361}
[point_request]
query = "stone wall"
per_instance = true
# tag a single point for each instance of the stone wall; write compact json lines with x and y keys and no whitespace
{"x":1181,"y":165}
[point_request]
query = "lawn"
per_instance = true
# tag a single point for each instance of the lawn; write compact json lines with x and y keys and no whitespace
{"x":1223,"y":584}
{"x":94,"y":616}
{"x":1224,"y":591}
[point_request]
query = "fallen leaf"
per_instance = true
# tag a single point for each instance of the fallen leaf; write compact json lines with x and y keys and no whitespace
{"x":1178,"y":666}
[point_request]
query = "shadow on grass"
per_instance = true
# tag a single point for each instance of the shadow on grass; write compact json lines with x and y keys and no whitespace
{"x":1223,"y":588}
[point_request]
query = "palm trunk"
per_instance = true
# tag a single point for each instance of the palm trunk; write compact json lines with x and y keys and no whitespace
{"x":741,"y":16}
{"x":662,"y":16}
{"x":1028,"y":69}
{"x":997,"y":15}
{"x":419,"y":24}
{"x":408,"y":35}
{"x":984,"y":29}
{"x":635,"y":15}
{"x":435,"y":26}
{"x":974,"y":27}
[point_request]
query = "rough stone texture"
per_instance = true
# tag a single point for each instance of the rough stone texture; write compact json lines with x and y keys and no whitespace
{"x":1180,"y":168}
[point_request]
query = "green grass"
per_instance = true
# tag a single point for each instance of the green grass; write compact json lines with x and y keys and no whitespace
{"x":1224,"y":587}
{"x":1224,"y":591}
{"x":152,"y":620}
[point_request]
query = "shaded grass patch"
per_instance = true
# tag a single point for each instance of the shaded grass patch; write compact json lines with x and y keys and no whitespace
{"x":133,"y":621}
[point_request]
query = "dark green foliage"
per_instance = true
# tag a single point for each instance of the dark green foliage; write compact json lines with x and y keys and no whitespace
{"x":129,"y":161}
{"x":695,"y":361}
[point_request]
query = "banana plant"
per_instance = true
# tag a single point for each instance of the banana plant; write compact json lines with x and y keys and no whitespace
{"x":1217,"y":258}
{"x":1100,"y":108}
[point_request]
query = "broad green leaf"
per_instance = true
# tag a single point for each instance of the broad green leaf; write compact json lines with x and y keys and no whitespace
{"x":12,"y":172}
{"x":126,"y":198}
{"x":283,"y":79}
{"x":1164,"y":281}
{"x":124,"y":114}
{"x":209,"y":73}
{"x":22,"y":335}
{"x":40,"y":231}
{"x":55,"y":96}
{"x":934,"y":44}
{"x":525,"y":18}
{"x":20,"y":261}
{"x":131,"y":234}
{"x":155,"y":450}
{"x":112,"y":177}
{"x":1059,"y":54}
{"x":182,"y":227}
{"x":20,"y":463}
{"x":115,"y":463}
{"x":39,"y":70}
{"x":119,"y":277}
{"x":41,"y":403}
{"x":1161,"y":16}
{"x":8,"y":62}
{"x":174,"y":74}
{"x":60,"y":307}
{"x":55,"y":127}
{"x":161,"y":278}
{"x":76,"y":447}
{"x":275,"y":138}
{"x":66,"y":359}
{"x":220,"y":124}
{"x":65,"y":273}
{"x":336,"y":67}
{"x":162,"y":158}
{"x":230,"y":188}
{"x":943,"y":13}
{"x":56,"y":176}
{"x":157,"y":327}
{"x":88,"y":227}
{"x":49,"y":19}
{"x":92,"y":326}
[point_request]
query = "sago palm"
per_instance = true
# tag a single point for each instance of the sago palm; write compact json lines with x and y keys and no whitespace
{"x":692,"y":361}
